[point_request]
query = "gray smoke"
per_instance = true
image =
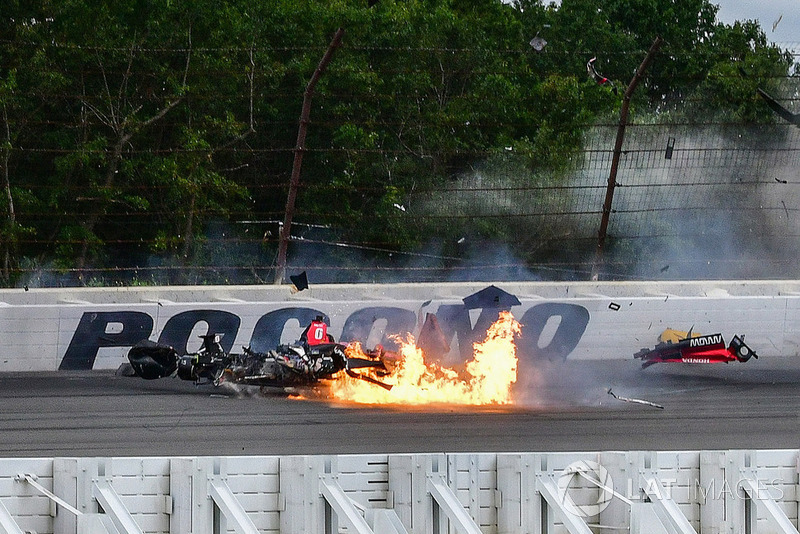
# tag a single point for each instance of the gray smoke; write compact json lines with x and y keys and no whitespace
{"x":726,"y":205}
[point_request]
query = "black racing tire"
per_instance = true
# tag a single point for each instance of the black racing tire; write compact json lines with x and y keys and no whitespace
{"x":744,"y":353}
{"x":151,"y":360}
{"x":186,"y":368}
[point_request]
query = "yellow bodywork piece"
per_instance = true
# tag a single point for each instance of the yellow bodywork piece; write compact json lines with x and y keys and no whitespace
{"x":673,"y":336}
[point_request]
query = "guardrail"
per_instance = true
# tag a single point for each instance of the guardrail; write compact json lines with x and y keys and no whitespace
{"x":640,"y":492}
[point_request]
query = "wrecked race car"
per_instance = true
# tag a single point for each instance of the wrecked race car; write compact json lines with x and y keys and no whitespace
{"x":287,"y":366}
{"x":697,"y":349}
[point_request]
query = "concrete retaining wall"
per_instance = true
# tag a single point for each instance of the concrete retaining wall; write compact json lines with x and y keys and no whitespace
{"x":93,"y":328}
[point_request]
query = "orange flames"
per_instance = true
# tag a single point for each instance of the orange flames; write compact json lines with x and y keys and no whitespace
{"x":491,"y":373}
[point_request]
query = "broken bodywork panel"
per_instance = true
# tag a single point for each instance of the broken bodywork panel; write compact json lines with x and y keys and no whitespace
{"x":697,"y":349}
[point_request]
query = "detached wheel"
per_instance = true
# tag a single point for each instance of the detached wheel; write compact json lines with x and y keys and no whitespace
{"x":744,"y":353}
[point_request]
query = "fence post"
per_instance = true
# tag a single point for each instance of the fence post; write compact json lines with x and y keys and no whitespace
{"x":294,"y":181}
{"x":612,"y":178}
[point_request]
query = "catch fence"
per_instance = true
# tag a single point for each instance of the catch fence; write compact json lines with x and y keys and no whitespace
{"x":696,"y":197}
{"x":692,"y":201}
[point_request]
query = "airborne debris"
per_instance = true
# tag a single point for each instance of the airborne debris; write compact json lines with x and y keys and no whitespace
{"x":670,"y":148}
{"x":781,"y":111}
{"x":597,"y":77}
{"x":635,"y":401}
{"x":491,"y":297}
{"x":775,"y":24}
{"x":299,"y":281}
{"x":538,"y":43}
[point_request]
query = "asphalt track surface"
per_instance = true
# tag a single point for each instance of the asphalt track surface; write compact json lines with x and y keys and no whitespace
{"x":562,"y":407}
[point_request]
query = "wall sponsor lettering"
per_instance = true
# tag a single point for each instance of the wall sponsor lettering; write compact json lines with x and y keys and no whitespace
{"x":550,"y":330}
{"x":92,"y":333}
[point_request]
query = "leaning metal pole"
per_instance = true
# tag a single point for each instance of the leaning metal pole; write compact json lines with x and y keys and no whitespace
{"x":294,"y":181}
{"x":612,"y":178}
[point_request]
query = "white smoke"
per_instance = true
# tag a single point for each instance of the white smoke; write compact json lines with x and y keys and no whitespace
{"x":726,"y":205}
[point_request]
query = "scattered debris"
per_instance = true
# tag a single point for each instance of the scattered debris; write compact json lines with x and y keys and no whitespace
{"x":596,"y":76}
{"x":775,"y":24}
{"x":782,"y":112}
{"x":613,"y":306}
{"x":635,"y":401}
{"x":781,"y":181}
{"x":670,"y":148}
{"x":491,"y":297}
{"x":299,"y":282}
{"x":538,"y":43}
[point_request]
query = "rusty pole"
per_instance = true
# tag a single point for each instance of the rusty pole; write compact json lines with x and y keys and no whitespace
{"x":612,"y":178}
{"x":294,"y":181}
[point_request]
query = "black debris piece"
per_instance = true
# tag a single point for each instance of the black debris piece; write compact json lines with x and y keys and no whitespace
{"x":491,"y":297}
{"x":781,"y":111}
{"x":300,"y":281}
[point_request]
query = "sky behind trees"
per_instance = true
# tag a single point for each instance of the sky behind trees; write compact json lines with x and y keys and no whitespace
{"x":785,"y":12}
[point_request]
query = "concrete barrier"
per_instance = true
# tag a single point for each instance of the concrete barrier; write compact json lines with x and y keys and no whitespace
{"x":641,"y":492}
{"x":93,"y":328}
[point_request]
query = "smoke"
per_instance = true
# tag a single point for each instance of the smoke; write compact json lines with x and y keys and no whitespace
{"x":693,"y":201}
{"x":441,"y":259}
{"x":500,"y":221}
{"x":557,"y":384}
{"x":725,"y":205}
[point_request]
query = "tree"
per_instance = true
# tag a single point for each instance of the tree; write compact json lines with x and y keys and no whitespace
{"x":136,"y":130}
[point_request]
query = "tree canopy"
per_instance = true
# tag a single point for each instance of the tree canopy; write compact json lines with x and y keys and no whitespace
{"x":155,"y":134}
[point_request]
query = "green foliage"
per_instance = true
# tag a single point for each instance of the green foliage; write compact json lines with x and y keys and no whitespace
{"x":135,"y":130}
